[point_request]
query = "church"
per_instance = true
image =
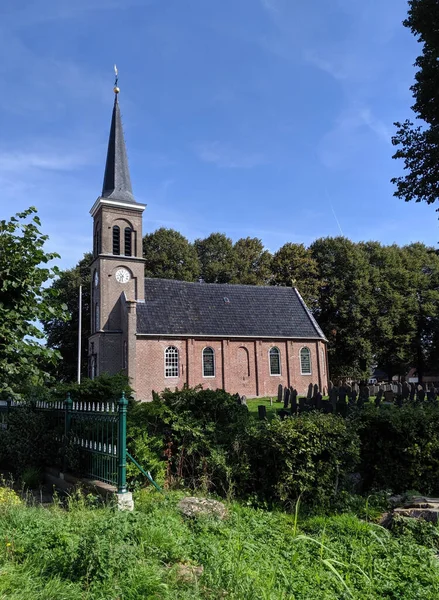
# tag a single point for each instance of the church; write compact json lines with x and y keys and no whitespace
{"x":166,"y":334}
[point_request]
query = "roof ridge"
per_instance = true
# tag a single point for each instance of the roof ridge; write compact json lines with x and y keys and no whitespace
{"x":229,"y":285}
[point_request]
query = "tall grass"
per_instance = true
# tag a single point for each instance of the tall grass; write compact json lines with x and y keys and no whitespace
{"x":88,"y":552}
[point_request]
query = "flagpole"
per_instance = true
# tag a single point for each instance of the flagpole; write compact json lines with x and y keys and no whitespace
{"x":79,"y":334}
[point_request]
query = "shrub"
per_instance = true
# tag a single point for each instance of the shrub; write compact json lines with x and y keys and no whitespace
{"x":198,"y":432}
{"x":29,"y":440}
{"x":307,"y":455}
{"x":8,"y":497}
{"x":400,"y":448}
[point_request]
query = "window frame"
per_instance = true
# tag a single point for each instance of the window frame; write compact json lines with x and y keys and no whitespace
{"x":302,"y":372}
{"x":116,"y":240}
{"x":128,"y":241}
{"x":176,"y":366}
{"x":279,"y":359}
{"x":97,"y":319}
{"x":213,"y":363}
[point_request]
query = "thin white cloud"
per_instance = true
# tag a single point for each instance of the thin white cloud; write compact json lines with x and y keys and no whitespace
{"x":350,"y":138}
{"x":227,"y":156}
{"x":20,"y":162}
{"x":271,"y":6}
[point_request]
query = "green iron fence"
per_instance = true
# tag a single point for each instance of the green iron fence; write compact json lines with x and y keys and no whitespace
{"x":91,"y":436}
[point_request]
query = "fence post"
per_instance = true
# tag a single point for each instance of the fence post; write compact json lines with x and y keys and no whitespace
{"x":68,"y":403}
{"x":122,"y":445}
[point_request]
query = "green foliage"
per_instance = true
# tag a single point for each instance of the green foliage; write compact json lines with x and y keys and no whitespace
{"x":419,"y":531}
{"x":168,"y":254}
{"x":418,"y":145}
{"x":306,"y":456}
{"x":29,"y":440}
{"x":199,"y":431}
{"x":104,"y":388}
{"x":294,"y":265}
{"x":400,"y":448}
{"x":23,"y":301}
{"x":217,"y":258}
{"x":252,"y":262}
{"x":62,"y":335}
{"x":95,"y":553}
{"x":344,"y":305}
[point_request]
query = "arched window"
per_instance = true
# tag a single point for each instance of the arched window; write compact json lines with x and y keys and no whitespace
{"x":171,"y":362}
{"x":128,"y":241}
{"x":208,"y":362}
{"x":274,"y":361}
{"x":305,"y":361}
{"x":97,"y":239}
{"x":97,"y":317}
{"x":322,"y":354}
{"x":116,"y":239}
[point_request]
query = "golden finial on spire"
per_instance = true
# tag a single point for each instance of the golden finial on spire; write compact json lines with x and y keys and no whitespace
{"x":116,"y":88}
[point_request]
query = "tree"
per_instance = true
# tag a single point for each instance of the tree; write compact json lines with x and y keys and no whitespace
{"x":170,"y":255}
{"x":418,"y":145}
{"x":422,"y":263}
{"x":23,"y":302}
{"x":217,"y":258}
{"x":345,"y":304}
{"x":392,"y":330}
{"x":294,"y":265}
{"x":252,"y":262}
{"x":62,"y":334}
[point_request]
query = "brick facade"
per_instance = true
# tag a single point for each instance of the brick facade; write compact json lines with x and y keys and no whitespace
{"x":241,"y":366}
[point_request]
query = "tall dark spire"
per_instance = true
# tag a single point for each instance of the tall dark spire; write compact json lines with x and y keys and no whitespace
{"x":117,"y":181}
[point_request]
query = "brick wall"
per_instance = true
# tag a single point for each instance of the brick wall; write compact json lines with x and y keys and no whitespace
{"x":241,"y":366}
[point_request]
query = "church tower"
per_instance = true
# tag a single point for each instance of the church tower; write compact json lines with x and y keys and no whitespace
{"x":117,"y":269}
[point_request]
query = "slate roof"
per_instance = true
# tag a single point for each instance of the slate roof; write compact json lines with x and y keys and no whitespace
{"x":117,"y":181}
{"x":201,"y":309}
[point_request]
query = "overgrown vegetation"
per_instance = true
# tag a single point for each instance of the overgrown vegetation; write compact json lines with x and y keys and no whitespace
{"x":204,"y":439}
{"x":90,"y":553}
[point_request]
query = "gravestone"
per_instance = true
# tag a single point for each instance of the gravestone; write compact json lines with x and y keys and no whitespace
{"x":405,"y":390}
{"x":293,"y":401}
{"x":379,"y":397}
{"x":421,"y":394}
{"x":342,"y":395}
{"x":310,"y":391}
{"x":388,"y":396}
{"x":412,"y":392}
{"x":333,"y":394}
{"x":280,"y":393}
{"x":262,"y":412}
{"x":286,"y":397}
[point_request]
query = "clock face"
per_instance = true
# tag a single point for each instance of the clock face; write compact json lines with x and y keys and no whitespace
{"x":96,"y":279}
{"x":122,"y":275}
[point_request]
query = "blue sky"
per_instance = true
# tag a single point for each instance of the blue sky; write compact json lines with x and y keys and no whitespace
{"x":266,"y":118}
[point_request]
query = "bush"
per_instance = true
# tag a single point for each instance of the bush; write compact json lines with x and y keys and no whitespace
{"x":400,"y":448}
{"x":196,"y":431}
{"x":307,"y":455}
{"x":210,"y":442}
{"x":8,"y":497}
{"x":29,"y":440}
{"x":104,"y":388}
